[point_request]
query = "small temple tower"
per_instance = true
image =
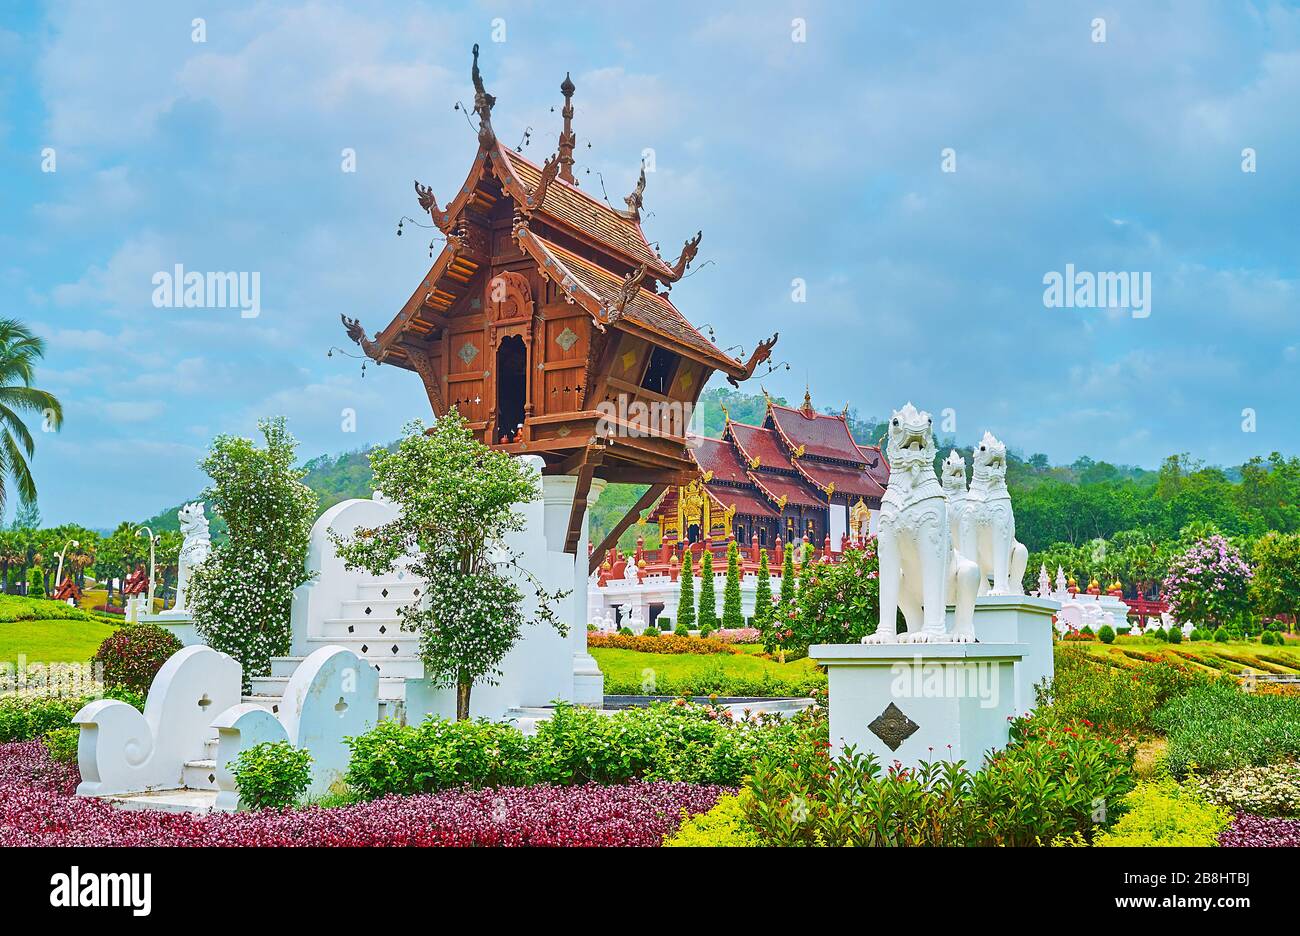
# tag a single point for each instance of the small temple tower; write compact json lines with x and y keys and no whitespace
{"x":546,"y":321}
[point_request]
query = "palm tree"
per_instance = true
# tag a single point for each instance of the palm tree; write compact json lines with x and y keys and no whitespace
{"x":19,"y":352}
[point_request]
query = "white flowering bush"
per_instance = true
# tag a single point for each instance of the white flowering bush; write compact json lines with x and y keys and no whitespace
{"x":456,"y":505}
{"x":241,"y":595}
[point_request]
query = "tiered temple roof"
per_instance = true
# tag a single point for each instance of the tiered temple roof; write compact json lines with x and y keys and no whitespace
{"x":769,"y":479}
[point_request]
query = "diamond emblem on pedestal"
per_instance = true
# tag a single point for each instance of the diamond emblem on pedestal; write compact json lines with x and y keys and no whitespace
{"x":893,"y":727}
{"x":384,"y":593}
{"x":383,"y":628}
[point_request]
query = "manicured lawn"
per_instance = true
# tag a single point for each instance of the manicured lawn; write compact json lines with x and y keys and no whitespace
{"x":52,"y":641}
{"x":1233,"y":656}
{"x":626,"y":671}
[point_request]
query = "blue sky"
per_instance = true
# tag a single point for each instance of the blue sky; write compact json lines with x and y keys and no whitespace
{"x":819,"y":160}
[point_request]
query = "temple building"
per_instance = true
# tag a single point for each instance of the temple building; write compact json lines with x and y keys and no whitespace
{"x":546,"y":322}
{"x":798,"y":475}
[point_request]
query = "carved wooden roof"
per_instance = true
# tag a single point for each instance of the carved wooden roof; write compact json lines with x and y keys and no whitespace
{"x":820,"y":434}
{"x":573,"y":208}
{"x":599,"y":290}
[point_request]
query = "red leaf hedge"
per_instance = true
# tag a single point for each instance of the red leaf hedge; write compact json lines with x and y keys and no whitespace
{"x":37,"y":808}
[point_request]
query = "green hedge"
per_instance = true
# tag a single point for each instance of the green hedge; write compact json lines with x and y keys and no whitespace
{"x":1218,"y":726}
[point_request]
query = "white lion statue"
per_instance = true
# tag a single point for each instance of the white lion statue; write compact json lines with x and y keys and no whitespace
{"x":194,"y":548}
{"x":988,"y":525}
{"x":954,"y":488}
{"x":920,"y":571}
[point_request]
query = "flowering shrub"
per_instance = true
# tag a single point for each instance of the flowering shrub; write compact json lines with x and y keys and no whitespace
{"x":1044,"y":785}
{"x":673,"y":643}
{"x":37,"y":808}
{"x":1272,"y":790}
{"x":739,"y":635}
{"x":837,"y":602}
{"x":1217,"y":726}
{"x":1209,"y":583}
{"x":272,"y":775}
{"x":240,"y":595}
{"x":1256,"y":832}
{"x":1115,"y":698}
{"x":133,"y":654}
{"x":1160,"y":813}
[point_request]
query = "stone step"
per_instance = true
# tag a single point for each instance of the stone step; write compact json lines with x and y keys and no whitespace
{"x":390,"y":687}
{"x":363,"y":627}
{"x":177,"y":801}
{"x":200,"y":774}
{"x":407,"y":644}
{"x":364,"y":608}
{"x":384,"y":656}
{"x":396,"y":588}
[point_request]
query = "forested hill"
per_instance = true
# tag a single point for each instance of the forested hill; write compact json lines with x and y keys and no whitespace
{"x":1054,"y":504}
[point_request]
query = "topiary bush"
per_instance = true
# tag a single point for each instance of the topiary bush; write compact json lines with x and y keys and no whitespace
{"x":650,"y":631}
{"x":436,"y":755}
{"x":36,"y":584}
{"x":681,"y":630}
{"x":1107,"y":634}
{"x":1220,"y":634}
{"x":272,"y":775}
{"x":1174,"y":635}
{"x":133,"y":654}
{"x":664,"y":623}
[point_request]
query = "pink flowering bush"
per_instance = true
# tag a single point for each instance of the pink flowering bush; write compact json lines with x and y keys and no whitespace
{"x":1254,"y":832}
{"x":1209,"y":584}
{"x":837,"y":602}
{"x":37,"y":808}
{"x":738,"y":635}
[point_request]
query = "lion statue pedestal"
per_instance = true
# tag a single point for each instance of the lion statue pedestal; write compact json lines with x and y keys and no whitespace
{"x":947,"y":687}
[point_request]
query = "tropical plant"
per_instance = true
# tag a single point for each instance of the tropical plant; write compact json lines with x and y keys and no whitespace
{"x":20,"y":349}
{"x":456,"y":503}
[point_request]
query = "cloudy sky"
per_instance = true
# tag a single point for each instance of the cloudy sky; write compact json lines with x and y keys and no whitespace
{"x":820,"y":160}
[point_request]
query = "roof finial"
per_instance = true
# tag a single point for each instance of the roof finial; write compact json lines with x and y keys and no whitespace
{"x":807,"y":400}
{"x":634,"y":200}
{"x":483,"y":104}
{"x":567,"y":137}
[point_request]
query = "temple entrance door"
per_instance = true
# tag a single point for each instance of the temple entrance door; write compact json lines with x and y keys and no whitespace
{"x":693,"y":533}
{"x":512,"y":386}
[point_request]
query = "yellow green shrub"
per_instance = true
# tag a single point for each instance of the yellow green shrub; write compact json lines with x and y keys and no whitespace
{"x":1160,"y":813}
{"x":723,"y":826}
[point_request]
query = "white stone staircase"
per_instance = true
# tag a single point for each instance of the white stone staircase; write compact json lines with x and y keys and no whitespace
{"x":367,"y":625}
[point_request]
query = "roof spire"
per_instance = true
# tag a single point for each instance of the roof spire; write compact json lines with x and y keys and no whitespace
{"x":807,"y":401}
{"x":567,"y":137}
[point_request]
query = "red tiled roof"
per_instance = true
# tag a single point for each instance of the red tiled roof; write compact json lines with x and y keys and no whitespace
{"x":818,"y":433}
{"x":846,"y":480}
{"x":720,"y":458}
{"x":746,"y":501}
{"x":760,"y":443}
{"x":794,"y":490}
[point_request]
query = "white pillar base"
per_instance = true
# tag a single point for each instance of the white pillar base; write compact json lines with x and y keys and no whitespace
{"x":557,"y":496}
{"x":919,"y":703}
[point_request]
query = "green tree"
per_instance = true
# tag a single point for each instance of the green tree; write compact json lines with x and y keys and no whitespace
{"x":241,"y":595}
{"x":35,"y":584}
{"x":707,"y":616}
{"x":20,"y":349}
{"x":1275,"y":588}
{"x":763,"y":593}
{"x":788,"y":584}
{"x":733,"y":613}
{"x":686,"y":596}
{"x":456,"y":503}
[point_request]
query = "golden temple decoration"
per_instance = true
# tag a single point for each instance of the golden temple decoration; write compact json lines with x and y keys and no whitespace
{"x":754,"y":462}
